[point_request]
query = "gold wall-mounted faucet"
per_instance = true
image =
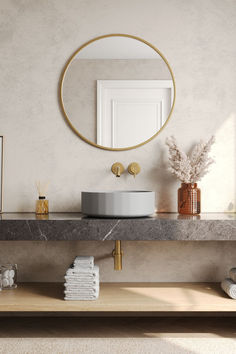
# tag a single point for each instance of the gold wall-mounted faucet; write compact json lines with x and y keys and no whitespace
{"x":117,"y":168}
{"x":134,"y":168}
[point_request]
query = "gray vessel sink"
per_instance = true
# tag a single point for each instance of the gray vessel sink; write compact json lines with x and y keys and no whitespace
{"x":123,"y":204}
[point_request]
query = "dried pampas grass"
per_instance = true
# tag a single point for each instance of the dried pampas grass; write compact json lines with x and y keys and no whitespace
{"x":189,"y":169}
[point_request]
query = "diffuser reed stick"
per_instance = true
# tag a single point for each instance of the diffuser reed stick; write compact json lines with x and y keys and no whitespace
{"x":42,"y":188}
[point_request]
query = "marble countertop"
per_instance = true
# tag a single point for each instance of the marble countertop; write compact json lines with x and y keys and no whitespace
{"x":75,"y":226}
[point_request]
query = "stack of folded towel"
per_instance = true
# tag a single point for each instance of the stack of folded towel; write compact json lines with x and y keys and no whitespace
{"x":82,"y":280}
{"x":229,"y":284}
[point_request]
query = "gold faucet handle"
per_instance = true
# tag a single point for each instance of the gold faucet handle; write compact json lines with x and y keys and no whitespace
{"x":134,"y":168}
{"x":117,"y":168}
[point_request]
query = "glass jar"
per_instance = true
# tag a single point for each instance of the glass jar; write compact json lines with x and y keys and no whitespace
{"x":189,"y":199}
{"x":8,"y":276}
{"x":42,"y":206}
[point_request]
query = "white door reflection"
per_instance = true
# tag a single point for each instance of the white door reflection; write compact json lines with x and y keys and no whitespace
{"x":131,"y":111}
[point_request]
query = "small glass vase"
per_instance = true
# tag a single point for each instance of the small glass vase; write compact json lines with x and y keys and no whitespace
{"x":42,"y":206}
{"x":189,"y":199}
{"x":8,"y":276}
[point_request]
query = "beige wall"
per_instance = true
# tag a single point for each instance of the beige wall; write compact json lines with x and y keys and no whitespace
{"x":142,"y":261}
{"x":37,"y":37}
{"x":198,"y":39}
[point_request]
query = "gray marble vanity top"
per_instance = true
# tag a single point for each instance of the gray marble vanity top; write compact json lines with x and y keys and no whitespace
{"x":75,"y":226}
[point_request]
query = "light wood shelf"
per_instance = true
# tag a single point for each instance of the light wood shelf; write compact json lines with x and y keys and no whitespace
{"x":120,"y":297}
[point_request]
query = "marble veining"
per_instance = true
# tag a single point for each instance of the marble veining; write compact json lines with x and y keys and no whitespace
{"x":75,"y":226}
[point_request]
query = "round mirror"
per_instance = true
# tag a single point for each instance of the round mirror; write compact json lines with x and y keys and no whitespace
{"x":117,"y":92}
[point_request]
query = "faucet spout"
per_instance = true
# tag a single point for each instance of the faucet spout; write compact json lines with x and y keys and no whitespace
{"x":118,"y":171}
{"x":117,"y":168}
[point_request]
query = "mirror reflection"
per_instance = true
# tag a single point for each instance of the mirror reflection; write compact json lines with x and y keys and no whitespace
{"x":117,"y":92}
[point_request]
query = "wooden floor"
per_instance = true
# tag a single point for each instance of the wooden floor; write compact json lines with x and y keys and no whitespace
{"x":119,"y":297}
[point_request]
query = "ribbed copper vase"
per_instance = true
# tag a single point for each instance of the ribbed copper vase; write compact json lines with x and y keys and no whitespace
{"x":189,"y":199}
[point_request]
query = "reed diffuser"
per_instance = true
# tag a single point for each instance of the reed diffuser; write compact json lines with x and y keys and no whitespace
{"x":42,"y":204}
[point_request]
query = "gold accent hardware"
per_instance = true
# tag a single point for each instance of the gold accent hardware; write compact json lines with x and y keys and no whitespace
{"x":63,"y":78}
{"x":117,"y":168}
{"x":117,"y":254}
{"x":134,"y":168}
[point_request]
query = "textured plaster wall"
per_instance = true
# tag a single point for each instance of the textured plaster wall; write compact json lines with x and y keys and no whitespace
{"x":198,"y":39}
{"x":143,"y":261}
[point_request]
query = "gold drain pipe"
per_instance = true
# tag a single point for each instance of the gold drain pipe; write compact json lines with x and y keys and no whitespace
{"x":117,"y":254}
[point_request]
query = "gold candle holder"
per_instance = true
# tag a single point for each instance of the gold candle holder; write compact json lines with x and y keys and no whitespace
{"x":42,"y":206}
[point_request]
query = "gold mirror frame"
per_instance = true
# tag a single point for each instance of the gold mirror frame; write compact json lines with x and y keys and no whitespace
{"x":63,"y":77}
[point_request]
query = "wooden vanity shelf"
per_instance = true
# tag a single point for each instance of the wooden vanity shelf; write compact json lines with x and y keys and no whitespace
{"x":119,"y":297}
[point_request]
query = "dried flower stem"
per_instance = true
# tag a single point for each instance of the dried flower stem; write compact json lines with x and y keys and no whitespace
{"x":189,"y":169}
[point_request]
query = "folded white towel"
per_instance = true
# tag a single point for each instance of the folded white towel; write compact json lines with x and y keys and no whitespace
{"x":84,"y":261}
{"x":81,"y":298}
{"x":232,"y":274}
{"x":80,"y":280}
{"x":78,"y":277}
{"x":82,"y":266}
{"x":79,"y":292}
{"x":79,"y":285}
{"x":84,"y":277}
{"x":229,"y":287}
{"x":83,"y":271}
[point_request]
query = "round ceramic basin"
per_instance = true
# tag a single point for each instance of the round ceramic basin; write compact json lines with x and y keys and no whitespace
{"x":117,"y":204}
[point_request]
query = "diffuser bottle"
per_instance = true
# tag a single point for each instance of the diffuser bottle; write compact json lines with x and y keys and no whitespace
{"x":42,"y":205}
